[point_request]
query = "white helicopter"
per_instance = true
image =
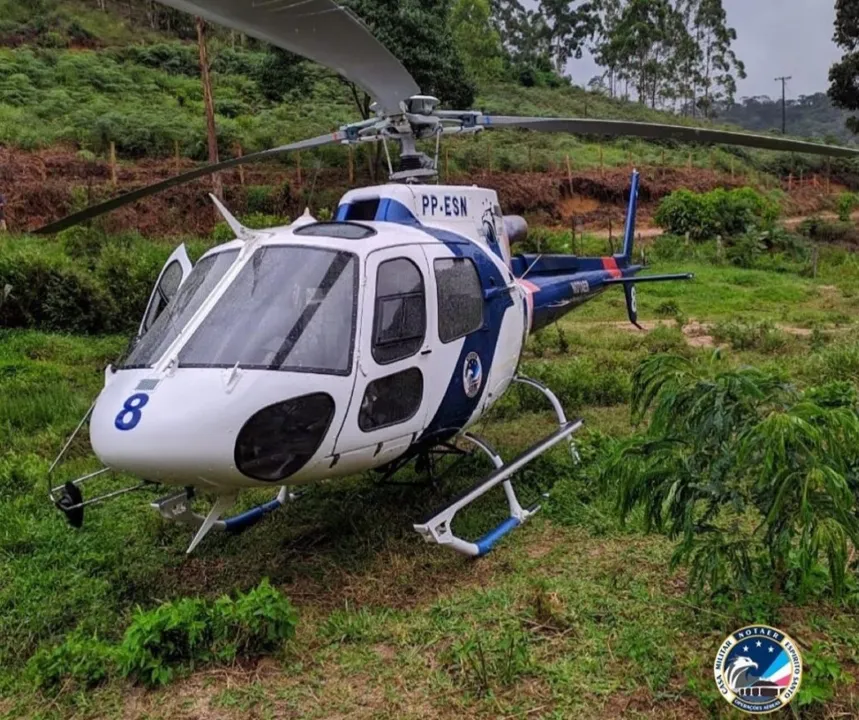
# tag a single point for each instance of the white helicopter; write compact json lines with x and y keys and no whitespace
{"x":298,"y":354}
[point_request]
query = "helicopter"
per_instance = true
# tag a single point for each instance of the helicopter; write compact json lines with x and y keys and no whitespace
{"x":294,"y":355}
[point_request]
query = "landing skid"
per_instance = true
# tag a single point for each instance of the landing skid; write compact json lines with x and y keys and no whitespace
{"x":438,"y":528}
{"x":177,"y":508}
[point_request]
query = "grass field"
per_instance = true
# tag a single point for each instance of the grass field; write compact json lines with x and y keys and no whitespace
{"x":576,"y":615}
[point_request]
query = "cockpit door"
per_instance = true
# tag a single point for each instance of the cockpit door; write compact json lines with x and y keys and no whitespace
{"x":394,"y":378}
{"x":173,"y":274}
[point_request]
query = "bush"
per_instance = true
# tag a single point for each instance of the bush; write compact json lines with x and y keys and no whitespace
{"x":763,"y":336}
{"x":173,"y":638}
{"x":824,"y":231}
{"x":718,"y":212}
{"x":178,"y":636}
{"x":84,"y":660}
{"x":846,"y":204}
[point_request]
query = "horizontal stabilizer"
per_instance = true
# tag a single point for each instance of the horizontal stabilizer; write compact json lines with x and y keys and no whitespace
{"x":648,"y":278}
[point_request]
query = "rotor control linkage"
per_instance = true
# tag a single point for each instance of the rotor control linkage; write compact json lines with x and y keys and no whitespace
{"x":438,"y":528}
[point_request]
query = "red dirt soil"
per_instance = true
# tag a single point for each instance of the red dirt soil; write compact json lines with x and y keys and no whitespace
{"x":43,"y":186}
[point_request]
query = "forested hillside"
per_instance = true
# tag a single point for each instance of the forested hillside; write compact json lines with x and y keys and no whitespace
{"x":809,"y":116}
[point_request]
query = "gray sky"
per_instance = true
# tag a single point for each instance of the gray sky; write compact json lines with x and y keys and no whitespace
{"x":774,"y":38}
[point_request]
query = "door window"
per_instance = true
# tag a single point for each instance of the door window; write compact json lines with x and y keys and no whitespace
{"x":391,"y":400}
{"x":399,"y":325}
{"x":460,"y":298}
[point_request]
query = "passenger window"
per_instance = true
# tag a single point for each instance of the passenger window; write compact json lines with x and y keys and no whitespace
{"x":460,"y":298}
{"x":391,"y":400}
{"x":400,"y":316}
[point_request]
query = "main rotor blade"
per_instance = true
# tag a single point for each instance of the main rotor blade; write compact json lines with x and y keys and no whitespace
{"x":135,"y":195}
{"x":655,"y":131}
{"x":320,"y":30}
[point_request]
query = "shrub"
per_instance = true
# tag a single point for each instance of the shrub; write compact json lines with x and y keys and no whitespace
{"x":745,"y":249}
{"x":173,"y":638}
{"x":763,"y":336}
{"x":84,"y":660}
{"x":846,"y":204}
{"x":718,"y":212}
{"x":177,"y":636}
{"x":825,"y":231}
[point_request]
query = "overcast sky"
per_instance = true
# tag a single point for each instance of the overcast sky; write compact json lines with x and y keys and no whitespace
{"x":774,"y":38}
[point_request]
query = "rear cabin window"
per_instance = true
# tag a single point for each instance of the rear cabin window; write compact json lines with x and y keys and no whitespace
{"x":391,"y":400}
{"x":399,"y":325}
{"x":460,"y":298}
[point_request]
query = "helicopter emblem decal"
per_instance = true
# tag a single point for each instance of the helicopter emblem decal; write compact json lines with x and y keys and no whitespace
{"x":472,"y":374}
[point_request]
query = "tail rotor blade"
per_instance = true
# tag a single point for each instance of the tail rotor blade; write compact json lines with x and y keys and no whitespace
{"x":139,"y":194}
{"x":657,"y":131}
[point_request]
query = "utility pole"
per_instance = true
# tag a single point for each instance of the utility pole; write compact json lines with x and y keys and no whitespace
{"x":783,"y":81}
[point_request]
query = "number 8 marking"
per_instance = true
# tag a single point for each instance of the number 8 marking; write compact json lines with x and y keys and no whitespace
{"x":130,"y":414}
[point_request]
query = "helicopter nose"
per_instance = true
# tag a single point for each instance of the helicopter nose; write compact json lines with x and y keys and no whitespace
{"x":189,"y":429}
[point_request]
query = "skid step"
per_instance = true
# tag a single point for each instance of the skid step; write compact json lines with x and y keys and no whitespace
{"x":438,"y":528}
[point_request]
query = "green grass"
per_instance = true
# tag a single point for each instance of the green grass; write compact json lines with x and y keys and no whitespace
{"x":572,"y":616}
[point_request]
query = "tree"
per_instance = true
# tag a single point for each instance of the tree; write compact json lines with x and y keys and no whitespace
{"x":418,"y":33}
{"x":565,"y":26}
{"x":209,"y":102}
{"x":844,"y":75}
{"x":477,"y":41}
{"x":638,"y":46}
{"x":757,"y":479}
{"x":720,"y":67}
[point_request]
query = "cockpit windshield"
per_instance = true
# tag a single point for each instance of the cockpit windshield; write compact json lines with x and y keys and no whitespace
{"x":196,"y":288}
{"x":289,"y":308}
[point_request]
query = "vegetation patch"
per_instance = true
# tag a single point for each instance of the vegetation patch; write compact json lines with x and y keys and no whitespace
{"x":171,"y":639}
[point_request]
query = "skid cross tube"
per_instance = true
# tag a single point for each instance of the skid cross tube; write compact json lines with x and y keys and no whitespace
{"x":556,"y":406}
{"x":438,"y":528}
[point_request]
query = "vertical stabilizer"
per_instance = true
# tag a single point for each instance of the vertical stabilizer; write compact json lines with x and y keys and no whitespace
{"x":629,"y":231}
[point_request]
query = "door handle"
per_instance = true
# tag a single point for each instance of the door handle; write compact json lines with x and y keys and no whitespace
{"x":426,"y":352}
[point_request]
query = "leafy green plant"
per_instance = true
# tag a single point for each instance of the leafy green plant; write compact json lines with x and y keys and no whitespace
{"x":81,"y":659}
{"x":744,"y":250}
{"x":718,"y":212}
{"x":821,"y":673}
{"x":177,"y":636}
{"x":845,"y":204}
{"x":755,"y":477}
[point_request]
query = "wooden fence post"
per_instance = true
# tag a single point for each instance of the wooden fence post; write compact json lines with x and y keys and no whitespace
{"x":489,"y":156}
{"x":569,"y":173}
{"x":602,"y":166}
{"x":790,"y":182}
{"x":446,"y":163}
{"x":351,"y":165}
{"x":689,"y":166}
{"x":298,"y":165}
{"x":176,"y":157}
{"x":113,"y":163}
{"x":241,"y":167}
{"x":530,"y":159}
